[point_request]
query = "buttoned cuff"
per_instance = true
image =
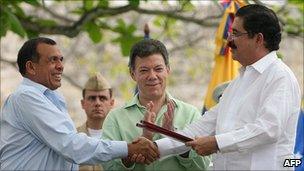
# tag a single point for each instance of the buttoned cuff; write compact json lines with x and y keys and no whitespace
{"x":120,"y":149}
{"x":226,"y":142}
{"x":168,"y":147}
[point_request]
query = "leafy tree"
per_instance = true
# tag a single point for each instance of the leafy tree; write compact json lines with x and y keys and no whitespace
{"x":99,"y":19}
{"x":29,"y":18}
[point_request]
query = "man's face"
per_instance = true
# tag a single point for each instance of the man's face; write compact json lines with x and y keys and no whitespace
{"x":242,"y":47}
{"x":97,"y":104}
{"x":150,"y":73}
{"x":48,"y":70}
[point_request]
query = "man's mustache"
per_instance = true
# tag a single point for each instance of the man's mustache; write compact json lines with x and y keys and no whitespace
{"x":231,"y":44}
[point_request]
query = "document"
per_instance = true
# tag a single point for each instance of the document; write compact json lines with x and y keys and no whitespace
{"x":161,"y":130}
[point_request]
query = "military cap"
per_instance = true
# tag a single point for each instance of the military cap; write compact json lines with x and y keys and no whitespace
{"x":97,"y":83}
{"x":218,"y":91}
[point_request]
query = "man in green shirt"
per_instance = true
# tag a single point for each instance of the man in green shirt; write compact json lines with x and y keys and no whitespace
{"x":149,"y":67}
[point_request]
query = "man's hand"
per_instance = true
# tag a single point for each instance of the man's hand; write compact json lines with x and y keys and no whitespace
{"x":149,"y":117}
{"x":204,"y":145}
{"x":135,"y":158}
{"x":169,"y":116}
{"x":141,"y":150}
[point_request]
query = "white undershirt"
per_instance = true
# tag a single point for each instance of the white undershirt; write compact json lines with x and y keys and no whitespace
{"x":95,"y":133}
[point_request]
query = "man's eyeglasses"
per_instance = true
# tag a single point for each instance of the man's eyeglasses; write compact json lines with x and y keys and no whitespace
{"x":234,"y":35}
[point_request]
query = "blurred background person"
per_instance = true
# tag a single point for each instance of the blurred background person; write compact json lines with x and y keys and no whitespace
{"x":97,"y":102}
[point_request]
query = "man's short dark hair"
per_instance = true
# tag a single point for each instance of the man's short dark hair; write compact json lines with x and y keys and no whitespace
{"x":145,"y":48}
{"x":28,"y":52}
{"x":260,"y":19}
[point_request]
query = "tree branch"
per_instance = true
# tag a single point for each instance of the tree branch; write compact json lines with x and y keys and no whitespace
{"x":60,"y":17}
{"x":74,"y":29}
{"x":188,"y":43}
{"x":173,"y":14}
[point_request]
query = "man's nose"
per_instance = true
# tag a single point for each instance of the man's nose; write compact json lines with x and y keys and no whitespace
{"x":152,"y":74}
{"x":98,"y":101}
{"x":59,"y":65}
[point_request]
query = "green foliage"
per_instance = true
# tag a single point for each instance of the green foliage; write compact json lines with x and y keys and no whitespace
{"x":32,"y":2}
{"x":126,"y":37}
{"x":88,"y":4}
{"x":280,"y":55}
{"x":32,"y":34}
{"x":10,"y":22}
{"x":298,"y":3}
{"x":103,"y":3}
{"x":293,"y":19}
{"x":13,"y":16}
{"x":93,"y":31}
{"x":46,"y":22}
{"x":134,"y":3}
{"x":5,"y":24}
{"x":186,"y":5}
{"x":168,"y":25}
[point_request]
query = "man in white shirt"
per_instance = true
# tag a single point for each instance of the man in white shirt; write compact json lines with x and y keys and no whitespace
{"x":97,"y":100}
{"x":253,"y":126}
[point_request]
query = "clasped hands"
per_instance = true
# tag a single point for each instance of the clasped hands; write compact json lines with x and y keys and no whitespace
{"x":143,"y":150}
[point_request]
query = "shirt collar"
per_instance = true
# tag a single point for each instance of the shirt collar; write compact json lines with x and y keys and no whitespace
{"x":262,"y":64}
{"x":38,"y":86}
{"x":135,"y":101}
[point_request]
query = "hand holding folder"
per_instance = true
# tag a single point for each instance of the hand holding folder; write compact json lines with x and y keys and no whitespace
{"x":158,"y":129}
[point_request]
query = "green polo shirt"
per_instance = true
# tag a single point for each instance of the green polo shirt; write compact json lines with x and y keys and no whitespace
{"x":120,"y":124}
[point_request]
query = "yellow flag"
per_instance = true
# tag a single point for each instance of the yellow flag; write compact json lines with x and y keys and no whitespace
{"x":225,"y":69}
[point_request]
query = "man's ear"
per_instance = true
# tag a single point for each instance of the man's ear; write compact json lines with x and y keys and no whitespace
{"x":82,"y":103}
{"x":112,"y":103}
{"x":168,"y":69}
{"x":260,"y":39}
{"x":30,"y":68}
{"x":132,"y":74}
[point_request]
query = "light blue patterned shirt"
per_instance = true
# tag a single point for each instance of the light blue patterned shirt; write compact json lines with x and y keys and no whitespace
{"x":37,"y":133}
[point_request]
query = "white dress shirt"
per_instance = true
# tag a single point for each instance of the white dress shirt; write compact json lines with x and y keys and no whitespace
{"x":255,"y":121}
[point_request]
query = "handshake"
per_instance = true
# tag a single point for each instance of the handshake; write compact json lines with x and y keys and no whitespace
{"x":142,"y":150}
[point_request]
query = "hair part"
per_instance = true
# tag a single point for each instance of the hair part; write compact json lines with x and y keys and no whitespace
{"x":145,"y":48}
{"x":28,"y":52}
{"x":260,"y":19}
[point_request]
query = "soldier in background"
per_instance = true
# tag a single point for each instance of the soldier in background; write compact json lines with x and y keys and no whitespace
{"x":97,"y":102}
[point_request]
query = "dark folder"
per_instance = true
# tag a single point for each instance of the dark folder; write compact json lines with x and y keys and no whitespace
{"x":161,"y":130}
